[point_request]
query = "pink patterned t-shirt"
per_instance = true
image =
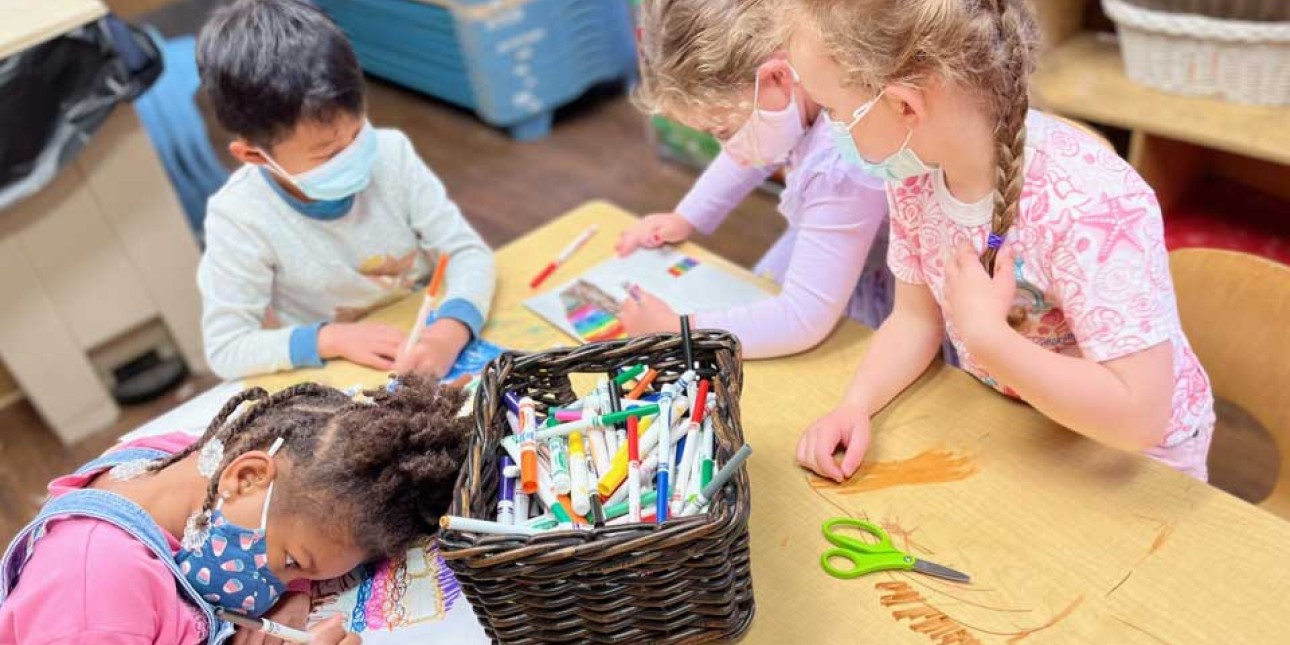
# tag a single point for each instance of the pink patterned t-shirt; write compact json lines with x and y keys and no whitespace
{"x":1091,"y":265}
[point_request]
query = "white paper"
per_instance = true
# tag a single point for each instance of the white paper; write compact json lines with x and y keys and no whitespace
{"x":703,"y":287}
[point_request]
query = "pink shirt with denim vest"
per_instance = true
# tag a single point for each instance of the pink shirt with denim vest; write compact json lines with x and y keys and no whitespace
{"x":90,"y":582}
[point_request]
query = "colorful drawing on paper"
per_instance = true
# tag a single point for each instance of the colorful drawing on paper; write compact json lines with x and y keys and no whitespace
{"x":592,"y":312}
{"x":682,"y":266}
{"x":409,"y":590}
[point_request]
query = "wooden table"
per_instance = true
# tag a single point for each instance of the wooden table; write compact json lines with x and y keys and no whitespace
{"x":1066,"y":541}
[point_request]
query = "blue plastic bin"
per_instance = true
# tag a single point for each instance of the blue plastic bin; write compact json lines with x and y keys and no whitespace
{"x":512,"y":62}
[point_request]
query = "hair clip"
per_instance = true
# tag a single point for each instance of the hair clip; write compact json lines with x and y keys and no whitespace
{"x":196,"y":530}
{"x":210,"y":457}
{"x":127,"y":470}
{"x":995,"y":241}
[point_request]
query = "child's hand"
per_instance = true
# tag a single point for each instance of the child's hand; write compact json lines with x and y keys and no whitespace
{"x":332,"y":632}
{"x":291,"y":610}
{"x":436,"y":350}
{"x":370,"y":344}
{"x":643,"y":313}
{"x":846,"y":426}
{"x":654,"y":231}
{"x":976,"y":304}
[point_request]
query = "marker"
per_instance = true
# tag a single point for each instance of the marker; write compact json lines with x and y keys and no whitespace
{"x":469,"y":525}
{"x":559,"y":461}
{"x":580,"y":495}
{"x":597,"y":512}
{"x":596,"y":436}
{"x":512,"y":403}
{"x":265,"y":626}
{"x":685,"y":466}
{"x":528,"y":446}
{"x":506,"y":498}
{"x":522,"y":503}
{"x":616,"y":438}
{"x":629,"y":374}
{"x":563,"y":257}
{"x":727,"y":471}
{"x":663,"y":427}
{"x":565,"y":415}
{"x":687,"y":343}
{"x":643,"y":384}
{"x":633,"y":470}
{"x":427,"y":303}
{"x":552,"y":502}
{"x":597,"y":422}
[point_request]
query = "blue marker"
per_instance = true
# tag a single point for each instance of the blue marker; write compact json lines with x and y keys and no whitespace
{"x":664,"y":452}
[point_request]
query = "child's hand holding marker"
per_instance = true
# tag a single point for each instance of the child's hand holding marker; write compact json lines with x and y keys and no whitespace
{"x":291,"y":612}
{"x":435,"y":351}
{"x":645,"y":313}
{"x":654,"y":231}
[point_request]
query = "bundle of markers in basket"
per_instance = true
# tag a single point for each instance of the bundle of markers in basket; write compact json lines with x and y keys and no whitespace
{"x":608,"y":459}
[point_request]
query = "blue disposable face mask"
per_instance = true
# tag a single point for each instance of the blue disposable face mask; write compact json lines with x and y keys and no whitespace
{"x":339,"y":177}
{"x":901,"y":165}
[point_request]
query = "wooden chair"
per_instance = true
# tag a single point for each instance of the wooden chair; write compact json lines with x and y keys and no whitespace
{"x":1235,"y":309}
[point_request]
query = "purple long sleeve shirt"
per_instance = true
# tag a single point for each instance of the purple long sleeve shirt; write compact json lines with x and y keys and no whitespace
{"x":834,"y":211}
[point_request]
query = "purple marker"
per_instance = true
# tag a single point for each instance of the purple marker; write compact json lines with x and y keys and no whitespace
{"x":506,"y":493}
{"x":511,"y":402}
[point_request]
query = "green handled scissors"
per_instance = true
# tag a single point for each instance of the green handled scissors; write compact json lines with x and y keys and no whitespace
{"x":867,"y":557}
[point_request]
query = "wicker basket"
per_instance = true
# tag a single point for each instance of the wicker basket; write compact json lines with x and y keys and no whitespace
{"x":685,"y":581}
{"x":1238,"y":50}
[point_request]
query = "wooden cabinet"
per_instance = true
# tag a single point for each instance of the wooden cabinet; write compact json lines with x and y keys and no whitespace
{"x":1174,"y":140}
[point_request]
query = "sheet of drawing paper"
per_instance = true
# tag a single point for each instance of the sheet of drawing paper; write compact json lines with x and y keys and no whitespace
{"x":586,"y":307}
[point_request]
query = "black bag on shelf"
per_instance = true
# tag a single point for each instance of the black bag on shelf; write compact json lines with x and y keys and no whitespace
{"x":55,"y":95}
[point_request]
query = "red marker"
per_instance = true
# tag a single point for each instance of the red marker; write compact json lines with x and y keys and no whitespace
{"x":563,"y":257}
{"x":700,"y":400}
{"x":633,"y":469}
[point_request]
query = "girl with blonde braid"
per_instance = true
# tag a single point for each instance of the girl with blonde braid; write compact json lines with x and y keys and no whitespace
{"x":1038,"y":250}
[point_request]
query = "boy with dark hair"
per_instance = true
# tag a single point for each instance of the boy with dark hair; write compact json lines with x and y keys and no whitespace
{"x":329,"y":218}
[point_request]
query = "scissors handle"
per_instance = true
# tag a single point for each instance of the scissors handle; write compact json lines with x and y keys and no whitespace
{"x":862,"y":557}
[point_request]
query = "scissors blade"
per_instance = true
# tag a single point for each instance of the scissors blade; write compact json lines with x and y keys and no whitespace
{"x":933,"y":569}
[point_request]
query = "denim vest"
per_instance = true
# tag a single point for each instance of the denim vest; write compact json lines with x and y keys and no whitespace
{"x":119,"y":512}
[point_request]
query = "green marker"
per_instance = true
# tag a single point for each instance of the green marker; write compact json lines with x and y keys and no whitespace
{"x":620,"y":509}
{"x":603,"y":421}
{"x":629,"y":374}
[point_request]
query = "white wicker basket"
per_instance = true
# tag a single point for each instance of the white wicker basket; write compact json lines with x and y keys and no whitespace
{"x":1235,"y":49}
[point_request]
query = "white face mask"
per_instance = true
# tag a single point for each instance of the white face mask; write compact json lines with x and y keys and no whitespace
{"x":768,"y":137}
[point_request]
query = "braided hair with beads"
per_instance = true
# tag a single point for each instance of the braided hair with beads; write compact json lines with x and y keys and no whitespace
{"x":386,"y":465}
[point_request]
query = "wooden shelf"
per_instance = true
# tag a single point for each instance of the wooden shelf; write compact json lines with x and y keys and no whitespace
{"x":1084,"y":77}
{"x":31,"y":22}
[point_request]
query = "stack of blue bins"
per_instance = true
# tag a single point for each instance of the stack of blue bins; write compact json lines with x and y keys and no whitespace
{"x":512,"y":62}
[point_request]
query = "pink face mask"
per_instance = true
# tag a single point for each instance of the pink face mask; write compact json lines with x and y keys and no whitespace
{"x":768,"y":137}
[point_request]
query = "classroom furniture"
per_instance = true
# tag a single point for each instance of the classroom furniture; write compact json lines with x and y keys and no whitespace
{"x":1066,"y":541}
{"x":97,"y":264}
{"x":1234,"y":308}
{"x":1173,"y":140}
{"x":512,"y":62}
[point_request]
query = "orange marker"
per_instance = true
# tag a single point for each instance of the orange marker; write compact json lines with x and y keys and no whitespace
{"x":528,"y":447}
{"x":643,"y":384}
{"x":427,"y":303}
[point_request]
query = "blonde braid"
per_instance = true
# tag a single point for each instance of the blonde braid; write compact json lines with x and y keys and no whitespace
{"x":1010,"y":127}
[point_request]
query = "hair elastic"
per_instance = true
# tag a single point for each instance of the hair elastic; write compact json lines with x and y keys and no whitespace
{"x":994,"y":241}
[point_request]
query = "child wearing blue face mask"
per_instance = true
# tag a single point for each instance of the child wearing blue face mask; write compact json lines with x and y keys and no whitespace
{"x":329,"y":218}
{"x":717,"y":66}
{"x":146,"y":543}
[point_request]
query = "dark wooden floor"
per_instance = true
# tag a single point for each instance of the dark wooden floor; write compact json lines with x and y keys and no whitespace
{"x":599,"y":150}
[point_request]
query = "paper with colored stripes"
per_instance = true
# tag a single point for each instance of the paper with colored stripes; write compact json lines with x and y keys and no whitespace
{"x":586,"y":307}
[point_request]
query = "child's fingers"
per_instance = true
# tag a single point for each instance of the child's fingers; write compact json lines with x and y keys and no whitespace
{"x":331,"y":632}
{"x":857,"y":446}
{"x":627,"y":243}
{"x":824,"y":462}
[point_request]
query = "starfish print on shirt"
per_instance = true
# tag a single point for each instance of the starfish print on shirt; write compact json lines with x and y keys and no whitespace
{"x":1117,"y":221}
